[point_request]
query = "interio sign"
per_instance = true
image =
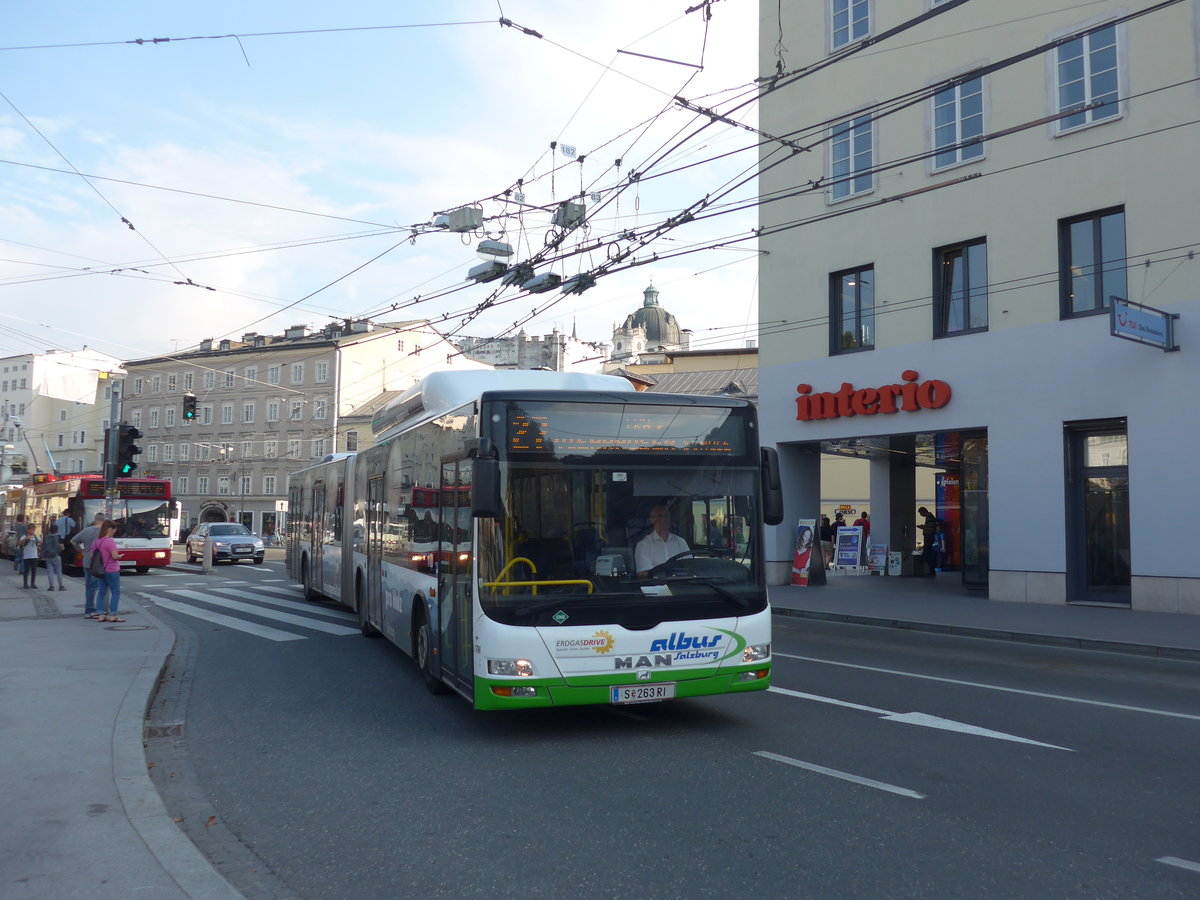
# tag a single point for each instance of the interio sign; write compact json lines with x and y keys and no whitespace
{"x":910,"y":396}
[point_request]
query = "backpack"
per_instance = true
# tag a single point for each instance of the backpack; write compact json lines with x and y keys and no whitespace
{"x":52,"y":546}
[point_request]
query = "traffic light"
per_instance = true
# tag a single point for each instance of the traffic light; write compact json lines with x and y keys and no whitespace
{"x":189,"y":407}
{"x":127,"y":450}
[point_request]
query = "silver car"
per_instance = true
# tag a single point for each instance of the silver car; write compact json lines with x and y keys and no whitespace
{"x":231,"y":541}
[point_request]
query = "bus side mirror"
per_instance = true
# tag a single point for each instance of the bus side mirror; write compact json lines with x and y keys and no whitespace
{"x":485,"y":482}
{"x":772,"y":490}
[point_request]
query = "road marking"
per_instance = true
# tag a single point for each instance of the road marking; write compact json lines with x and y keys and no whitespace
{"x":263,"y":631}
{"x":293,"y":604}
{"x":923,"y":719}
{"x":1181,"y":863}
{"x":996,"y":687}
{"x":844,"y":776}
{"x":251,"y":609}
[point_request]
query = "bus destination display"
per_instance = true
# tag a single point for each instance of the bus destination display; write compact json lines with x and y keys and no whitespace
{"x":641,"y":430}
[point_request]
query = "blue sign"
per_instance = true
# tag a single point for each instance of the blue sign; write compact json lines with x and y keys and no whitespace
{"x":1142,"y":324}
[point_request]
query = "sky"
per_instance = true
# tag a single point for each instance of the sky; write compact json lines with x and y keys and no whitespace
{"x":277,"y":164}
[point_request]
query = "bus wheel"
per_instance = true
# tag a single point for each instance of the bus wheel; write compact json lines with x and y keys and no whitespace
{"x":310,"y":596}
{"x":141,"y":570}
{"x":425,"y":659}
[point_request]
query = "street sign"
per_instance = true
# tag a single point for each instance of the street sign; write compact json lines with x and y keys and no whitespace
{"x":281,"y":506}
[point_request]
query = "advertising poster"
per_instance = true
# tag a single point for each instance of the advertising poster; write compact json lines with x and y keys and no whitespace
{"x":847,"y":548}
{"x":877,"y":555}
{"x":806,"y":531}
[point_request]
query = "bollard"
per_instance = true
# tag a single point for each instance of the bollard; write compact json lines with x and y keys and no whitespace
{"x":206,"y":558}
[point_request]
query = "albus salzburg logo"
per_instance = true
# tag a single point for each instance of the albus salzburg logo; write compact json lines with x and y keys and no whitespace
{"x":891,"y":398}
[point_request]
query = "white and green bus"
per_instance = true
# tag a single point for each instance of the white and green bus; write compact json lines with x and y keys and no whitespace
{"x":497,"y":532}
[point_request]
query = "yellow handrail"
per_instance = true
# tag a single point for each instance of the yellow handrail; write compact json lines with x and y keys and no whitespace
{"x":512,"y":562}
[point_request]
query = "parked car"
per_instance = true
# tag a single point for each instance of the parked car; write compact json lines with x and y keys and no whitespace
{"x":231,"y":541}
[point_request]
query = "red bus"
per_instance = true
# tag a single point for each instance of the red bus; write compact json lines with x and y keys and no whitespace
{"x":147,"y":516}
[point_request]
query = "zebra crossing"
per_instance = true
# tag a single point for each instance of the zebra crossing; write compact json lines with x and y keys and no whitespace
{"x":272,"y":609}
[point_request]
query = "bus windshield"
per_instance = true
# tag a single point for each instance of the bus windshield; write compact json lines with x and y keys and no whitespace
{"x":135,"y":518}
{"x":623,"y":513}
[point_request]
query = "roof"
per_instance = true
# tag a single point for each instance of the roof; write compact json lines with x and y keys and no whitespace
{"x":741,"y":383}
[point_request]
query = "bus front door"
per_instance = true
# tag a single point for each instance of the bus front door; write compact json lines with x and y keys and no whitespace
{"x":454,"y":573}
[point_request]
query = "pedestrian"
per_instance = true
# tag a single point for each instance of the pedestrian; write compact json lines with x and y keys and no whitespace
{"x":864,"y":522}
{"x":31,"y":546}
{"x":64,"y":527}
{"x":929,"y":532}
{"x":12,"y":543}
{"x":52,"y":549}
{"x":83,"y":543}
{"x":109,"y":595}
{"x":826,"y":541}
{"x":839,"y":521}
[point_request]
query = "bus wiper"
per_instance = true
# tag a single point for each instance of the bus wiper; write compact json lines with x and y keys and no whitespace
{"x":548,"y":604}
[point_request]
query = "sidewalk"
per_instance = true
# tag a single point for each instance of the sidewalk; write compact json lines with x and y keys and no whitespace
{"x":82,"y":818}
{"x":942,"y":605}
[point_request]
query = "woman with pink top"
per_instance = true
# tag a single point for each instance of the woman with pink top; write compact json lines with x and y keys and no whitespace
{"x":109,"y":594}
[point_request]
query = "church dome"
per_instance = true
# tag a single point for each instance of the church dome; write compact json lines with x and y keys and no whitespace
{"x":662,"y":328}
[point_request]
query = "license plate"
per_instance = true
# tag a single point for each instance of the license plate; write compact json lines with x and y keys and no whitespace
{"x":243,"y":548}
{"x":643,"y":693}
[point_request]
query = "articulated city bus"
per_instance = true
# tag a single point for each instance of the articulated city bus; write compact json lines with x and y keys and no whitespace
{"x":495,"y":533}
{"x":146,"y":515}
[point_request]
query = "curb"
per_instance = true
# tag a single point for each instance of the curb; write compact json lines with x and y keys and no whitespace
{"x":170,"y":847}
{"x":1077,"y":643}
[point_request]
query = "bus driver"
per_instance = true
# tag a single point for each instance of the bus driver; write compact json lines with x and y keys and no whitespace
{"x":660,"y":544}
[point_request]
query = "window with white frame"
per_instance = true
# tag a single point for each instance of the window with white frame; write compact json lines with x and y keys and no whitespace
{"x":206,"y":414}
{"x":251,"y":376}
{"x":319,"y":408}
{"x":201,"y":484}
{"x":229,"y":379}
{"x":247,"y":449}
{"x":184,"y":451}
{"x":319,"y":447}
{"x":246,"y":487}
{"x":169,"y":417}
{"x":203,"y":451}
{"x":272,"y":410}
{"x":62,"y":415}
{"x":321,"y":372}
{"x":297,"y":409}
{"x":958,"y":120}
{"x":273,"y":374}
{"x":226,"y":413}
{"x":351,"y":441}
{"x":1087,"y":79}
{"x":168,"y":453}
{"x":268,"y":484}
{"x":181,"y":484}
{"x":271,"y":449}
{"x":152,"y":453}
{"x":189,"y":381}
{"x":223,"y":485}
{"x":210,"y":380}
{"x":293,"y":448}
{"x":135,"y":419}
{"x":851,"y":154}
{"x":62,"y":440}
{"x":850,"y":21}
{"x":298,"y":373}
{"x":248,"y":413}
{"x":152,"y":416}
{"x":156,"y":384}
{"x":172,"y":382}
{"x":137,"y":385}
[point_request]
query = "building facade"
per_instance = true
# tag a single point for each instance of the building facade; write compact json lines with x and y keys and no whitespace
{"x":266,"y":406}
{"x":964,"y":216}
{"x":556,"y":351}
{"x":648,"y":328}
{"x":54,"y":408}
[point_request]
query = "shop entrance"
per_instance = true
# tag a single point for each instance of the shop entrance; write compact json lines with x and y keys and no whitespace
{"x":1098,"y":563}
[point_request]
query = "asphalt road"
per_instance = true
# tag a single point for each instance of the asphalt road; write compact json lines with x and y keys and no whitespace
{"x":881,"y":764}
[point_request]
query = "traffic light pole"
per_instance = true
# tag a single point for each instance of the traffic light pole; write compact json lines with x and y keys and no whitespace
{"x":110,"y":452}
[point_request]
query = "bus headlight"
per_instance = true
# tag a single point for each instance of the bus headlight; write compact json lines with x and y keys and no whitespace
{"x":521,"y":667}
{"x":756,"y":652}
